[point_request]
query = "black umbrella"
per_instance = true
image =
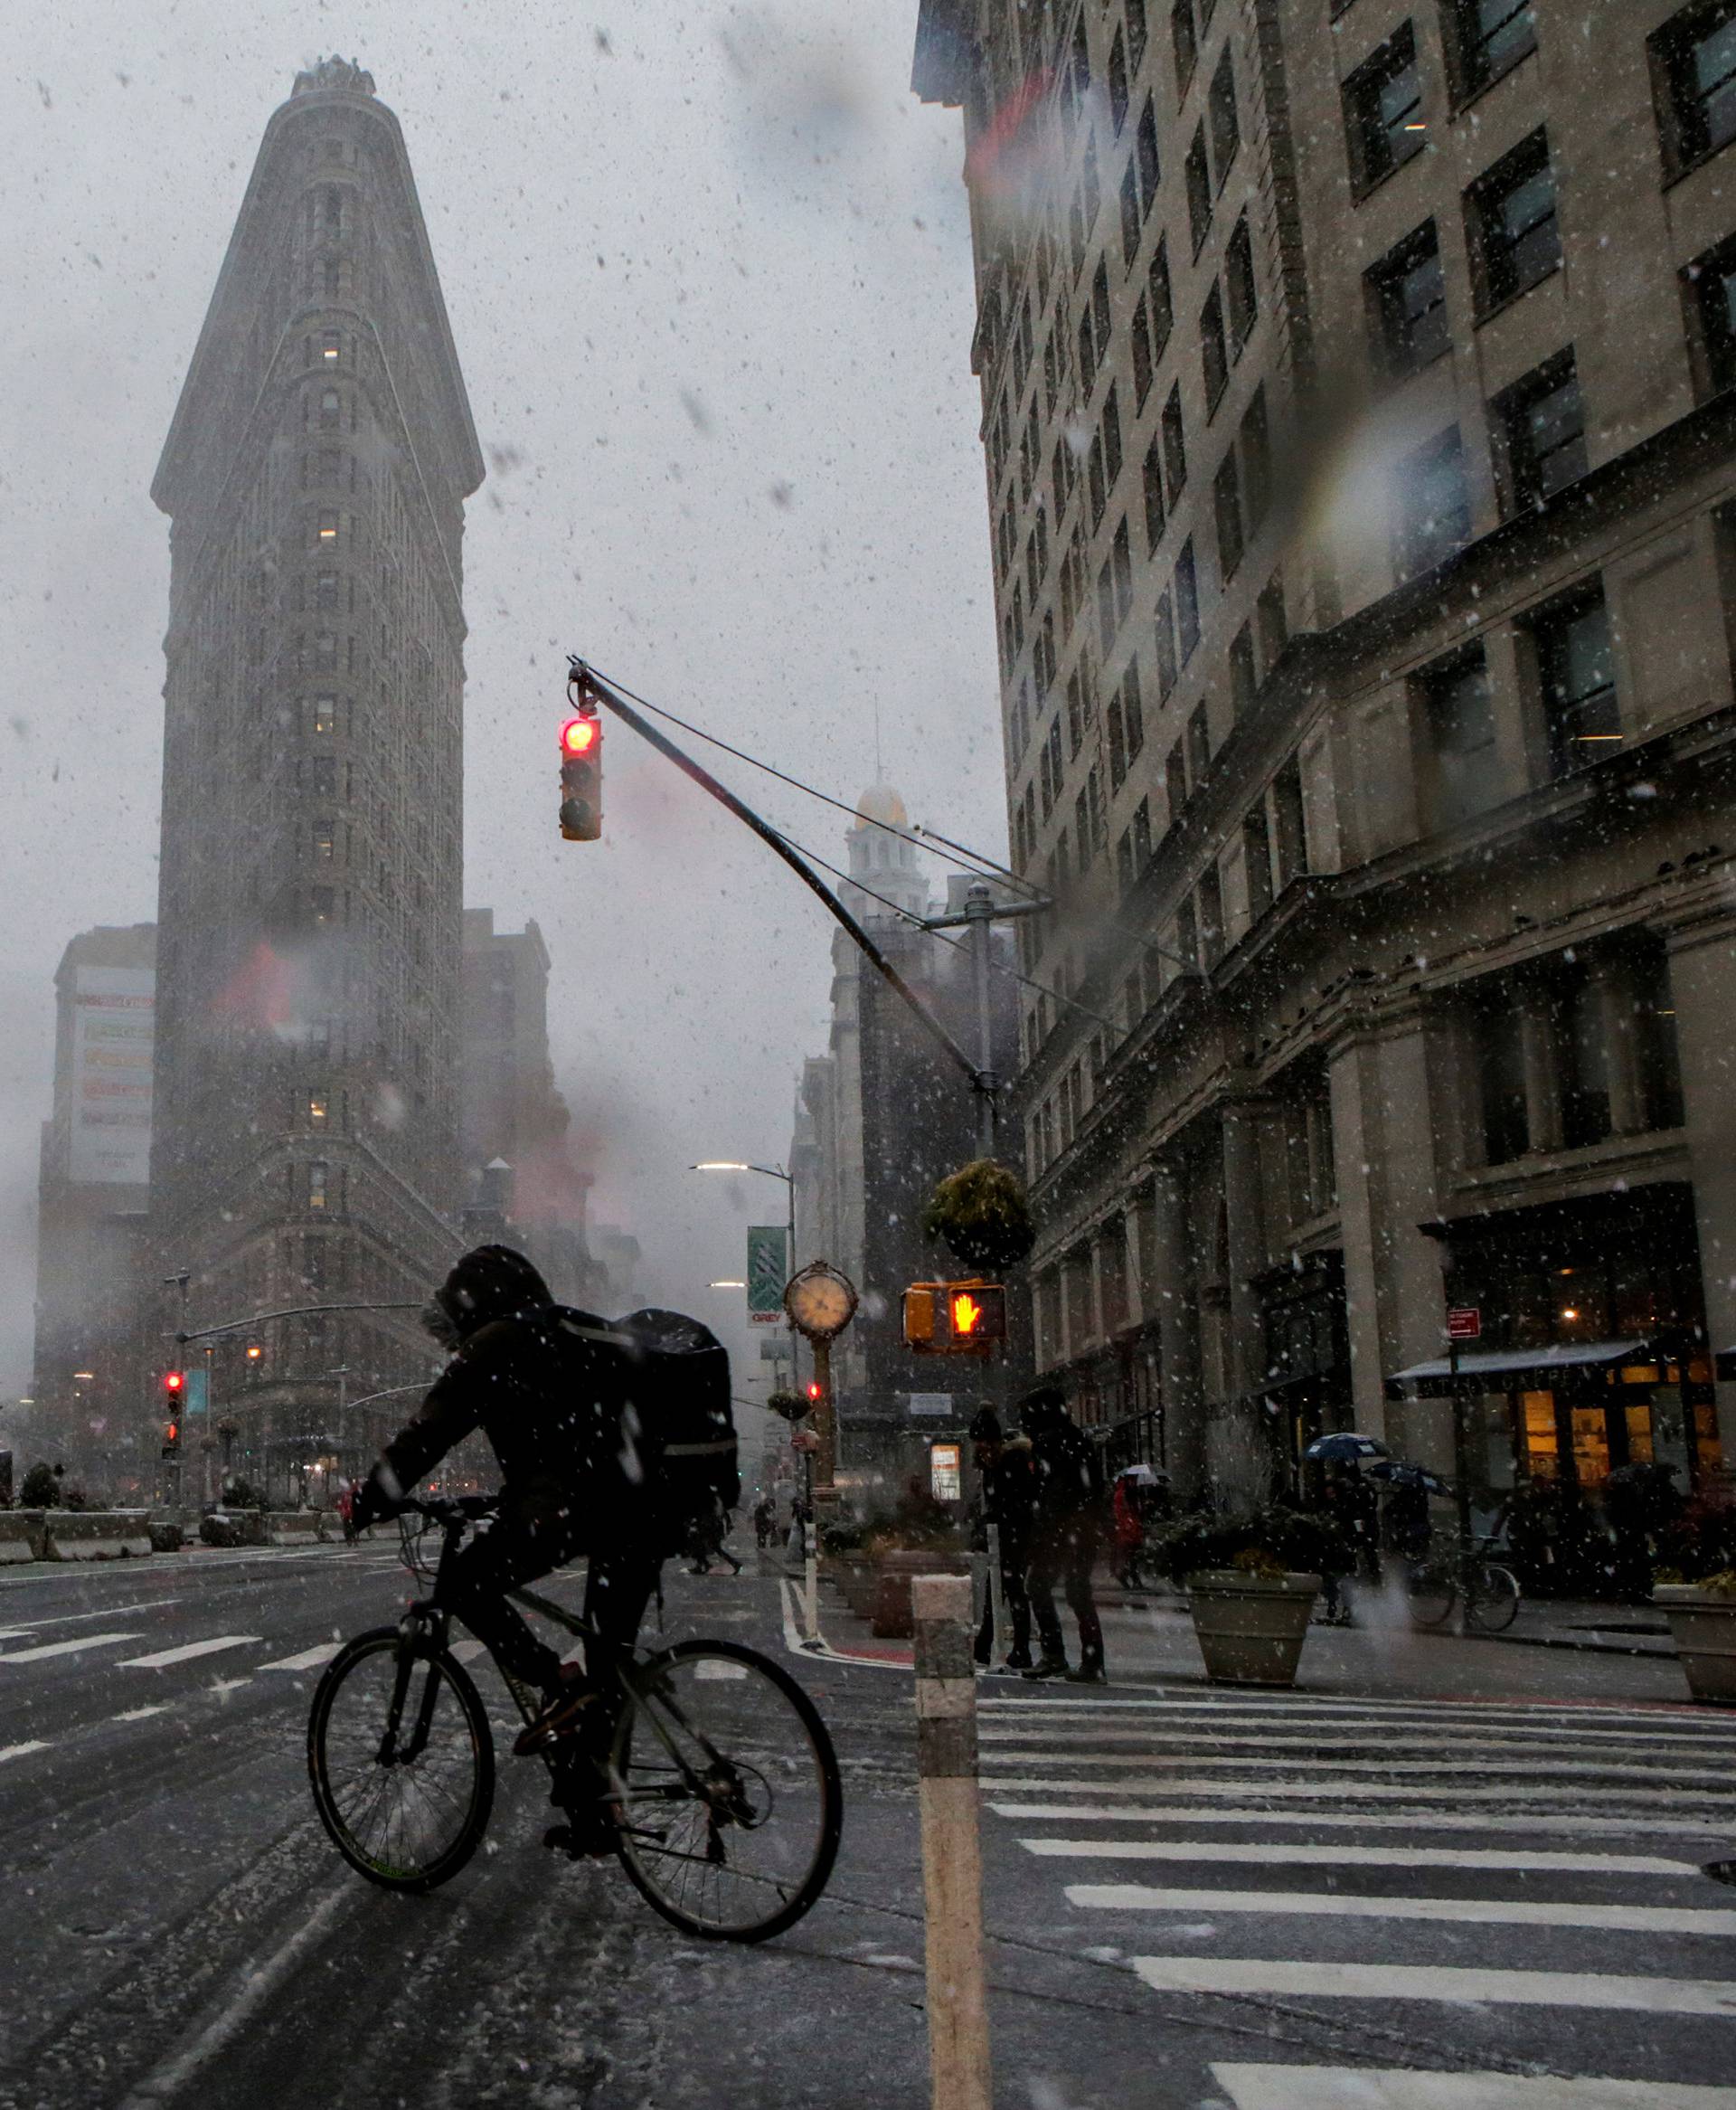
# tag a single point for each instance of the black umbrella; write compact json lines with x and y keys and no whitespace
{"x":1342,"y":1447}
{"x":1397,"y":1473}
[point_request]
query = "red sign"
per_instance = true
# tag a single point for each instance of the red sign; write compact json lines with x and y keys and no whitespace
{"x":1465,"y":1322}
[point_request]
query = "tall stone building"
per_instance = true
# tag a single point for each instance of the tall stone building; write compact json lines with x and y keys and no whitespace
{"x":880,"y":1118}
{"x":1356,"y":397}
{"x":93,"y":1193}
{"x":306,"y":1150}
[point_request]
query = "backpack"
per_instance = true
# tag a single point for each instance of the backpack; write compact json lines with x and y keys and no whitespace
{"x":677,"y":1424}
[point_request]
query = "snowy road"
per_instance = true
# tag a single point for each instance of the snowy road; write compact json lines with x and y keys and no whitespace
{"x":1251,"y":1904}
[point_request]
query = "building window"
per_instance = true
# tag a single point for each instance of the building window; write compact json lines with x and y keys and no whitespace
{"x":1288,"y":812}
{"x":1187,"y":935}
{"x":1515,"y":239}
{"x":1383,"y":112}
{"x":1095,"y":480}
{"x":1227,"y":503}
{"x":1112,"y":437}
{"x":1226,"y":126}
{"x":1198,"y":745}
{"x":1197,"y":175}
{"x":1121,"y":559}
{"x":1710,"y":286}
{"x":1542,"y":425}
{"x":1460,"y":714}
{"x":325,"y":651}
{"x":1163,"y":306}
{"x":1129,"y":214}
{"x":1693,"y":59}
{"x":1176,"y":782}
{"x":326,"y":589}
{"x":1187,"y":601}
{"x":1239,"y":285}
{"x":1584,"y":1048}
{"x":323,"y":776}
{"x":1117,"y":82}
{"x":1133,"y":716}
{"x":1660,"y":1069}
{"x":1407,"y":293}
{"x":1243,"y":682}
{"x":1214,"y":353}
{"x":1274,"y":626}
{"x":331,"y":410}
{"x":1486,"y":37}
{"x":1136,"y":33}
{"x":1165,"y":633}
{"x":1434,"y":506}
{"x":1175,"y":446}
{"x":1210,"y":907}
{"x":1145,"y":156}
{"x":1577,"y":666}
{"x":1256,"y":855}
{"x":1141,"y":355}
{"x":1185,"y":37}
{"x":1105,"y":608}
{"x":327,"y":529}
{"x":318,"y":1109}
{"x":323,"y":839}
{"x":325,"y":714}
{"x":1142,"y":835}
{"x":330,"y":345}
{"x":1500,"y":1059}
{"x":1154,"y":490}
{"x":322,"y":902}
{"x":1256,"y":461}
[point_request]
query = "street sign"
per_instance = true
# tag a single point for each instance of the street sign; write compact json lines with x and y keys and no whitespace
{"x":938,"y":1405}
{"x":804,"y":1440}
{"x":1465,"y":1322}
{"x":768,"y":1272}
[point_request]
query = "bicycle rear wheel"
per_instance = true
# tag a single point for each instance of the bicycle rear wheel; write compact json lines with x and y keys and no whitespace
{"x":407,"y":1821}
{"x":1493,"y":1602}
{"x":731,"y":1800}
{"x":1432,"y":1593}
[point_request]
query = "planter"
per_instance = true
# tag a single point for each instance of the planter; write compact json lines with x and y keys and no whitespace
{"x":854,"y":1573}
{"x":1251,"y":1628}
{"x":893,"y":1575}
{"x":1703,"y":1624}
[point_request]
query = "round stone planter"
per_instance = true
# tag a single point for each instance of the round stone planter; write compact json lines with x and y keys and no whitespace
{"x":1703,"y":1624}
{"x":893,"y":1575}
{"x":1251,"y":1628}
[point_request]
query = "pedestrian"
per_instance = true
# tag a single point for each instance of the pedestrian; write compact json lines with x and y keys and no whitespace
{"x":1128,"y":1519}
{"x":765,"y":1521}
{"x":346,"y":1512}
{"x":1066,"y":1529}
{"x":1008,"y":1482}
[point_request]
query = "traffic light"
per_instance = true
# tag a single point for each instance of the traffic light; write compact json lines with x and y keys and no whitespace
{"x":175,"y":1386}
{"x":953,"y":1319}
{"x":816,"y":1391}
{"x":581,"y":778}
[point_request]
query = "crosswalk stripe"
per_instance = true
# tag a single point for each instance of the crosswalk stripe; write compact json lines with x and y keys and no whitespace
{"x":1540,"y":1744}
{"x":1345,"y":2087}
{"x":141,"y":1713}
{"x":466,"y":1651}
{"x":1292,"y":1854}
{"x":308,"y":1660}
{"x":1272,"y":1706}
{"x":1560,"y":1768}
{"x":1412,"y":1982}
{"x":21,"y":1750}
{"x":1646,"y":1822}
{"x":1632,"y":1920}
{"x":43,"y":1650}
{"x":1337,"y":1790}
{"x":165,"y":1658}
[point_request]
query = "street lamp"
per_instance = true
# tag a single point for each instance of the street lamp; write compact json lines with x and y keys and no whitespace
{"x":726,"y":1285}
{"x":771,"y":1172}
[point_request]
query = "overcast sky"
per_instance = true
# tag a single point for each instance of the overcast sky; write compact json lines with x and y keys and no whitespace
{"x":708,"y":272}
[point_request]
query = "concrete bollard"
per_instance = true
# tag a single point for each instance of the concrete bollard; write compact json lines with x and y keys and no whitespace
{"x":952,"y":1868}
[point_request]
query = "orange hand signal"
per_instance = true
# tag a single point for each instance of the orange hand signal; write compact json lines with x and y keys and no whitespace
{"x":966,"y":1314}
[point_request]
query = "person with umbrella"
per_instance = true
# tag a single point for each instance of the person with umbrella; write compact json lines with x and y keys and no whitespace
{"x":1349,"y":1505}
{"x":1127,"y":1508}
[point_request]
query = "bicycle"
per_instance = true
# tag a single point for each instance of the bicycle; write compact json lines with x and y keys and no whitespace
{"x":722,"y":1778}
{"x":1491,"y":1592}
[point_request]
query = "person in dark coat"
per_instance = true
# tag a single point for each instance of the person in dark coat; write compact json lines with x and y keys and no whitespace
{"x":544,"y":1384}
{"x":1066,"y":1531}
{"x":1008,"y":1497}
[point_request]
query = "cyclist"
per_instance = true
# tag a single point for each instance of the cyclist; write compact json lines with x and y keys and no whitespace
{"x":545,"y":1386}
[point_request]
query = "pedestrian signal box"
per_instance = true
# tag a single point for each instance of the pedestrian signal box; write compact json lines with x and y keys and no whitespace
{"x":955,"y":1319}
{"x":581,"y":778}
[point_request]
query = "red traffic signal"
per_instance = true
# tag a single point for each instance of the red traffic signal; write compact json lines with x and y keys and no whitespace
{"x":174,"y":1383}
{"x":815,"y":1390}
{"x":581,"y":778}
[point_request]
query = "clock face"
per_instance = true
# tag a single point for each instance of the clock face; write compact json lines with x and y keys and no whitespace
{"x":820,"y":1301}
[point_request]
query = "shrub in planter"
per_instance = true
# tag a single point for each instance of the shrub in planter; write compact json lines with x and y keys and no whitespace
{"x":982,"y":1213}
{"x":40,"y":1490}
{"x":1274,"y":1541}
{"x":1251,"y":1583}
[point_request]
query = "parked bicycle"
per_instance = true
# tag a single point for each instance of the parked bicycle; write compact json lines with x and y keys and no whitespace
{"x":1441,"y":1578}
{"x":723,"y":1780}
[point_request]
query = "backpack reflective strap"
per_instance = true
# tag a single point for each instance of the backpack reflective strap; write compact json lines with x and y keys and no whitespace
{"x":700,"y":1450}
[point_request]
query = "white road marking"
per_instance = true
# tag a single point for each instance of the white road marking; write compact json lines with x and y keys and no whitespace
{"x":308,"y":1660}
{"x":1558,"y":1768}
{"x":1645,"y":1823}
{"x":1269,"y":1705}
{"x":140,"y":1714}
{"x":465,"y":1651}
{"x":46,"y":1649}
{"x":1292,"y":1855}
{"x":1433,"y":1981}
{"x":1360,"y":2087}
{"x":75,"y":1618}
{"x":21,"y":1750}
{"x":1385,"y":1735}
{"x":715,"y":1667}
{"x":1631,"y":1919}
{"x":188,"y":1651}
{"x":1338,"y":1790}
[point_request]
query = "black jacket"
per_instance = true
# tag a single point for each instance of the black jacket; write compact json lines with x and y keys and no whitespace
{"x":1069,"y":1476}
{"x":1009,"y":1496}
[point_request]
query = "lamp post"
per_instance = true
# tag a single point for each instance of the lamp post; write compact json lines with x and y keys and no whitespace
{"x":771,"y":1172}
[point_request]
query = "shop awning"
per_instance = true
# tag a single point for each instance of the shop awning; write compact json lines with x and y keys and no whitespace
{"x":1513,"y":1369}
{"x":1724,"y":1366}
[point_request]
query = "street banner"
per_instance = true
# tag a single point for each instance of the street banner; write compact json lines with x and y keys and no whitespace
{"x":768,"y":1272}
{"x":195,"y":1395}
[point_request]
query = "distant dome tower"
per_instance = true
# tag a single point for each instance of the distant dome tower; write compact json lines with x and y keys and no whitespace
{"x":882,"y":862}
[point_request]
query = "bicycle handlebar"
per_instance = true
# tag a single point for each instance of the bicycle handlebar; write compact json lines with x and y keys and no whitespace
{"x":451,"y":1509}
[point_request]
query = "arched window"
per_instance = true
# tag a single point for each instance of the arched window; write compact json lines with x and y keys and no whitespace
{"x":331,"y":410}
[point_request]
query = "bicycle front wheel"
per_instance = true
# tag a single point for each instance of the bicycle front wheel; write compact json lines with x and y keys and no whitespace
{"x":411,"y":1815}
{"x":1432,"y":1593}
{"x":1494,"y":1602}
{"x":731,"y":1801}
